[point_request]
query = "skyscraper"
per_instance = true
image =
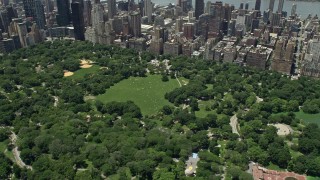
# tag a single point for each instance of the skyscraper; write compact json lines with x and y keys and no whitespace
{"x":112,"y":9}
{"x":39,"y":17}
{"x":135,"y":23}
{"x":241,"y":6}
{"x":28,"y":7}
{"x":35,"y":9}
{"x":148,"y":9}
{"x":199,"y":8}
{"x":271,"y":5}
{"x":280,"y":6}
{"x":77,"y":19}
{"x":63,"y":16}
{"x":87,"y":7}
{"x":294,"y":9}
{"x":258,"y":5}
{"x":4,"y":20}
{"x":246,"y":6}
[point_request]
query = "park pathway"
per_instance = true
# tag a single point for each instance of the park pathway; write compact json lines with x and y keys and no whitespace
{"x":175,"y":75}
{"x":16,"y":152}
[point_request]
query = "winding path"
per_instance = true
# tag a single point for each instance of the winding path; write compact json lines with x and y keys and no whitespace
{"x":16,"y":152}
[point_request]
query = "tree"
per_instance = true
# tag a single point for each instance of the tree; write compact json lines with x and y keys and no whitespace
{"x":28,"y":156}
{"x":167,"y":110}
{"x":163,"y":174}
{"x":5,"y":166}
{"x":4,"y":134}
{"x":164,"y":78}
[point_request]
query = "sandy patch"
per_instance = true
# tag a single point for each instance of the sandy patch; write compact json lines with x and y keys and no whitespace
{"x":67,"y":73}
{"x":85,"y":61}
{"x":283,"y":129}
{"x":86,"y":66}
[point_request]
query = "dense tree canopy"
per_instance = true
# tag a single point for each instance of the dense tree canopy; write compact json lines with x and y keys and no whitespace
{"x":64,"y":134}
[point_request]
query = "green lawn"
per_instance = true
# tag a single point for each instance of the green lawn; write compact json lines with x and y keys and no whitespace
{"x":82,"y":72}
{"x":295,"y":154}
{"x":274,"y":167}
{"x":309,"y":118}
{"x":313,"y":178}
{"x":202,"y":106}
{"x":148,"y":92}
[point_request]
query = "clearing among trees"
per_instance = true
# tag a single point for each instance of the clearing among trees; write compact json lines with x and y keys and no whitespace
{"x":147,"y":92}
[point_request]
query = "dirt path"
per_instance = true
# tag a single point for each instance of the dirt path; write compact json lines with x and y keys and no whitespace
{"x":16,"y":153}
{"x":56,"y":101}
{"x":234,"y":124}
{"x":175,"y":75}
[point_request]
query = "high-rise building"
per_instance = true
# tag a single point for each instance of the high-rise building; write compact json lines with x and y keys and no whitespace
{"x":241,"y":6}
{"x":199,"y":8}
{"x":8,"y":45}
{"x":294,"y":10}
{"x":275,"y":19}
{"x":87,"y":7}
{"x":148,"y":10}
{"x":135,"y":23}
{"x":28,"y":7}
{"x":257,"y":5}
{"x":271,"y":5}
{"x":283,"y":56}
{"x":49,"y":6}
{"x":63,"y":16}
{"x":97,"y":13}
{"x":188,"y":30}
{"x":311,"y":62}
{"x":246,"y":6}
{"x":179,"y":24}
{"x":112,"y":9}
{"x":5,"y":2}
{"x":4,"y":20}
{"x":257,"y":57}
{"x":39,"y":18}
{"x":35,"y":10}
{"x":280,"y":6}
{"x":77,"y":19}
{"x":12,"y":13}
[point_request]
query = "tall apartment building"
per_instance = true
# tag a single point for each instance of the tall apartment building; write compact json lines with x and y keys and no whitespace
{"x":77,"y":19}
{"x":283,"y":56}
{"x":257,"y":5}
{"x":189,"y":30}
{"x":271,"y":5}
{"x":257,"y":57}
{"x":148,"y":10}
{"x":63,"y":16}
{"x":199,"y":8}
{"x":172,"y":48}
{"x":311,"y":62}
{"x":135,"y":23}
{"x":35,"y":10}
{"x":112,"y":9}
{"x":280,"y":6}
{"x":4,"y":20}
{"x":87,"y":7}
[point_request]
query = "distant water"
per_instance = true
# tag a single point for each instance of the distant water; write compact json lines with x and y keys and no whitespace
{"x":303,"y":8}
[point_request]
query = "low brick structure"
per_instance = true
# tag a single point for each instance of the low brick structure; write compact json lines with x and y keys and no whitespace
{"x":260,"y":173}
